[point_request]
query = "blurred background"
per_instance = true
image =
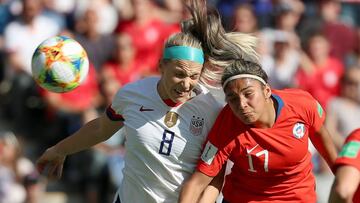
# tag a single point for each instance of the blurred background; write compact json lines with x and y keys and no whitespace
{"x":309,"y":44}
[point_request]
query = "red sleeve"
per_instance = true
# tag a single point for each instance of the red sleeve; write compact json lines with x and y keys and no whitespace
{"x":349,"y":154}
{"x":219,"y":144}
{"x":112,"y":115}
{"x":312,"y":111}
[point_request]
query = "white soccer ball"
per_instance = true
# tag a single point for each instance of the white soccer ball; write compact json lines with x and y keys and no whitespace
{"x":59,"y":64}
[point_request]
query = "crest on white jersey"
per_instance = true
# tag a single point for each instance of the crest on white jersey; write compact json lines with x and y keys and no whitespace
{"x":299,"y":130}
{"x":209,"y":153}
{"x":170,"y":119}
{"x":196,"y":125}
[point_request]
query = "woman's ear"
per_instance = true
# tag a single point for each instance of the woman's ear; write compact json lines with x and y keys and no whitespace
{"x":267,"y":91}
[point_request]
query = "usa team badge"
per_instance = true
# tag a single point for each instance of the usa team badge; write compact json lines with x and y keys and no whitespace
{"x":299,"y":130}
{"x":196,"y":125}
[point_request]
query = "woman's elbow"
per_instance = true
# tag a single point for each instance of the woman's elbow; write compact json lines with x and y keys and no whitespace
{"x":342,"y":194}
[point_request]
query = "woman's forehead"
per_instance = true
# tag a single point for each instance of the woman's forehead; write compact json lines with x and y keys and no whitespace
{"x":241,"y":84}
{"x":189,"y":67}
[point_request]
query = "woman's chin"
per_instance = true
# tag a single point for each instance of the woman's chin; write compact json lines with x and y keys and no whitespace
{"x":179,"y":99}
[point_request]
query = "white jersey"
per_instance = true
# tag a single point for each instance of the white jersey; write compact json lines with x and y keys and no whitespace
{"x":163,"y":143}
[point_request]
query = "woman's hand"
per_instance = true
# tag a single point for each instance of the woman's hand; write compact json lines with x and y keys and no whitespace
{"x":51,"y":163}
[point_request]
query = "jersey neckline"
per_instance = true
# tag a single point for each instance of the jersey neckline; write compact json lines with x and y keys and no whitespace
{"x":280,"y":105}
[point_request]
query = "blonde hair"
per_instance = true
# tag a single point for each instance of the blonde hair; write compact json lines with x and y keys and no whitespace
{"x":183,"y":39}
{"x":221,"y":49}
{"x":205,"y":31}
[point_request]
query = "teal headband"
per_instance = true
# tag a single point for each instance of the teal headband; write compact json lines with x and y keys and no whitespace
{"x":184,"y":53}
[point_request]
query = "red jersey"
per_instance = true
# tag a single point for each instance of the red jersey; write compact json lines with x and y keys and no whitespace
{"x":350,"y":155}
{"x":272,"y":164}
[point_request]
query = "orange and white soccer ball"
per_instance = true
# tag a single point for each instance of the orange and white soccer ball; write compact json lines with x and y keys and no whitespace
{"x":59,"y":64}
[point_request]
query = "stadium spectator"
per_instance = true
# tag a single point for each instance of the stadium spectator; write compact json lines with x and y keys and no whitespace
{"x":354,"y":58}
{"x":13,"y":169}
{"x":350,"y":12}
{"x":170,"y":11}
{"x":287,"y":17}
{"x":263,"y":10}
{"x":319,"y":73}
{"x":97,"y":45}
{"x":32,"y":26}
{"x":122,"y":69}
{"x":284,"y":62}
{"x":244,"y":19}
{"x":328,"y":22}
{"x":148,"y":33}
{"x":334,"y":29}
{"x":343,"y":113}
{"x":6,"y":16}
{"x":265,"y":133}
{"x":105,"y":11}
{"x":23,"y":106}
{"x":280,"y":46}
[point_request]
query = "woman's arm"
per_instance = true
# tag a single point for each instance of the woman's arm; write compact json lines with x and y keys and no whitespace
{"x":345,"y":185}
{"x":213,"y":190}
{"x":332,"y":126}
{"x":324,"y":145}
{"x":194,"y":187}
{"x":92,"y":133}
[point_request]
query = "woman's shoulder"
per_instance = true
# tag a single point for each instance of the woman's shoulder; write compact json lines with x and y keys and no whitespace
{"x":295,"y":99}
{"x":292,"y":93}
{"x":140,"y":88}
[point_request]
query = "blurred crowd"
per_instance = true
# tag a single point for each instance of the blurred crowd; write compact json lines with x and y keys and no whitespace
{"x":310,"y":44}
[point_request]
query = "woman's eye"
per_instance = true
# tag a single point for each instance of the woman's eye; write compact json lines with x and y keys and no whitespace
{"x":179,"y":75}
{"x":194,"y":77}
{"x":231,"y":98}
{"x":248,"y":94}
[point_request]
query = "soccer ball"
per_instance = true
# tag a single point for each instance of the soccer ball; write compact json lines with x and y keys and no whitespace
{"x":59,"y":64}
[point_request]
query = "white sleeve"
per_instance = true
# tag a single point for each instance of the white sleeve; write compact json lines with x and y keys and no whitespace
{"x":116,"y":110}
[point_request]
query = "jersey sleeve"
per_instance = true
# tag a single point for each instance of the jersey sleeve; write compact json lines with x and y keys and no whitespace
{"x":349,"y":154}
{"x":312,"y":112}
{"x":115,"y":110}
{"x":218,"y":146}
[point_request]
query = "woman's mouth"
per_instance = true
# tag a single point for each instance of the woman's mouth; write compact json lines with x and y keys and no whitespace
{"x":181,"y":93}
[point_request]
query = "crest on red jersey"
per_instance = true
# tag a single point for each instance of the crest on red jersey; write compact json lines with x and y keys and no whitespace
{"x":196,"y":125}
{"x":299,"y":130}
